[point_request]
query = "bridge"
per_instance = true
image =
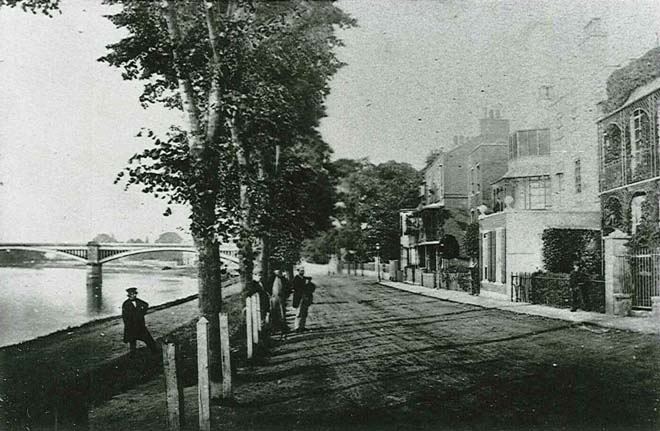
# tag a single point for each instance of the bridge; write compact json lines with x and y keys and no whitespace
{"x":95,"y":254}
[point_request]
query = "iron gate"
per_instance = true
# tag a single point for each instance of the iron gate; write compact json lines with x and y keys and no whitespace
{"x":640,"y":276}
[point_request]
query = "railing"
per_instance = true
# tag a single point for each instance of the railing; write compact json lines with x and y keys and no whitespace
{"x":554,"y":290}
{"x":448,"y":280}
{"x":640,"y":276}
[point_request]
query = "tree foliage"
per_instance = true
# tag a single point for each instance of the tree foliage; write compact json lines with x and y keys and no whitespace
{"x":622,"y":82}
{"x":46,"y":7}
{"x":250,"y":77}
{"x":369,"y":199}
{"x":471,"y":240}
{"x":564,"y":247}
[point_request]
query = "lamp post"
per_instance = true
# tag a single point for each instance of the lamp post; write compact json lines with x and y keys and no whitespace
{"x":378,"y":259}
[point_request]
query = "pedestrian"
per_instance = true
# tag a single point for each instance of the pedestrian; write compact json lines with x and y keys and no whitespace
{"x":305,"y":298}
{"x":475,"y":281}
{"x":132,"y":312}
{"x":278,"y":304}
{"x":578,"y":282}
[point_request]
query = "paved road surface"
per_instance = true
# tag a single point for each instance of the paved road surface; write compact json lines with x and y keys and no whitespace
{"x":379,"y":358}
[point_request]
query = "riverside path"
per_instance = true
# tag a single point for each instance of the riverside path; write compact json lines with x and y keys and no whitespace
{"x":377,"y":358}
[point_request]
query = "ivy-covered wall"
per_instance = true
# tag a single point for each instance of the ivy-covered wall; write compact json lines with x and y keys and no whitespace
{"x":622,"y":82}
{"x":617,"y":213}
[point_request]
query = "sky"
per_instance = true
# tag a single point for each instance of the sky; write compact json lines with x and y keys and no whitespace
{"x":417,"y":73}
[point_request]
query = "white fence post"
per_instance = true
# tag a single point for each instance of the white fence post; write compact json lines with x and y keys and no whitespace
{"x":248,"y":325}
{"x":258,"y":312}
{"x":255,"y":319}
{"x":203,"y":380}
{"x":226,"y":357}
{"x":175,"y":413}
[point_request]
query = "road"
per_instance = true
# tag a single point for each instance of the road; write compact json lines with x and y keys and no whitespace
{"x":379,"y":358}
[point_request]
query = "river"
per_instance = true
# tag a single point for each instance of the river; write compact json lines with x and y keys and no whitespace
{"x":39,"y":301}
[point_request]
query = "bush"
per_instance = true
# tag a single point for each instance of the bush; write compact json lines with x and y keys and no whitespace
{"x":471,"y":240}
{"x":563,"y":247}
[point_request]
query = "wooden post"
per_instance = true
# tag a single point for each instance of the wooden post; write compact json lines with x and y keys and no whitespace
{"x":226,"y":357}
{"x":255,"y":319}
{"x":203,"y":378}
{"x":248,"y":325}
{"x":258,"y":312}
{"x":175,"y":413}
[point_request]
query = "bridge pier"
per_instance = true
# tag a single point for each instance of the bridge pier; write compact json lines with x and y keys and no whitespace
{"x":94,"y":288}
{"x":94,"y":278}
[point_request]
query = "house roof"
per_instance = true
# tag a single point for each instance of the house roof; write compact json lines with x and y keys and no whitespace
{"x":638,"y":93}
{"x":642,"y":91}
{"x":527,"y":170}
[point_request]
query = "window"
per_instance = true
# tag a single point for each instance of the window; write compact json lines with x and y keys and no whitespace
{"x":612,"y":145}
{"x":537,"y":194}
{"x":532,"y":193}
{"x":513,"y":146}
{"x":636,"y":211}
{"x":492,"y":255}
{"x":640,"y":163}
{"x":578,"y":177}
{"x":478,"y":179}
{"x":472,"y":180}
{"x":529,"y":143}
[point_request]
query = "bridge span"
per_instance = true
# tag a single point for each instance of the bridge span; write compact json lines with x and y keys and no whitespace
{"x":95,"y":254}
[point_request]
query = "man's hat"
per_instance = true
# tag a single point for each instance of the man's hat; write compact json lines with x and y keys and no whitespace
{"x":131,"y":290}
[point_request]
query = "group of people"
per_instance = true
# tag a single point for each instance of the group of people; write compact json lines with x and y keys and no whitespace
{"x":303,"y":296}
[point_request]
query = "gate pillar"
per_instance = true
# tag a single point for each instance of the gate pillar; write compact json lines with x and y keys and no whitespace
{"x":615,"y":267}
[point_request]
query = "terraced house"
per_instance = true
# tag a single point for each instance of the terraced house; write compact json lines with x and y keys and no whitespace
{"x":630,"y":182}
{"x":552,"y":177}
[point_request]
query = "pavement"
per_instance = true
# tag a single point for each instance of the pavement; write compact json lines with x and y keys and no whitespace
{"x":644,"y":325}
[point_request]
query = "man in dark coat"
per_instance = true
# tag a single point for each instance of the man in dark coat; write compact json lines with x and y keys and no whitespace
{"x":132,"y":312}
{"x":303,"y":290}
{"x":578,"y":281}
{"x":298,"y":286}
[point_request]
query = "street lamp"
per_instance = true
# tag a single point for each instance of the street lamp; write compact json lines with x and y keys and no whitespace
{"x":378,"y":259}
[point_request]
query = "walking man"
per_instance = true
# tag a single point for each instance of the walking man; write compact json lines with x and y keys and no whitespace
{"x":578,"y":281}
{"x":132,"y":312}
{"x":303,"y":290}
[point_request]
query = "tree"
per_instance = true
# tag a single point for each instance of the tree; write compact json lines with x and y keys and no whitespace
{"x":369,"y":198}
{"x":247,"y":96}
{"x":104,"y":237}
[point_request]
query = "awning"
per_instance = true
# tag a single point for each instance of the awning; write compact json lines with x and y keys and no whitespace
{"x":527,"y":170}
{"x":434,"y":205}
{"x":429,"y":243}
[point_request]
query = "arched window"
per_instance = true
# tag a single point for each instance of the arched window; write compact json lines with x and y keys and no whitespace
{"x":636,"y":211}
{"x":640,"y":143}
{"x":612,"y":145}
{"x":612,"y":213}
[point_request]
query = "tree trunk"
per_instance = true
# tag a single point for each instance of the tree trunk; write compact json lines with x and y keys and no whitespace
{"x":265,"y":261}
{"x":210,"y":297}
{"x":245,"y":249}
